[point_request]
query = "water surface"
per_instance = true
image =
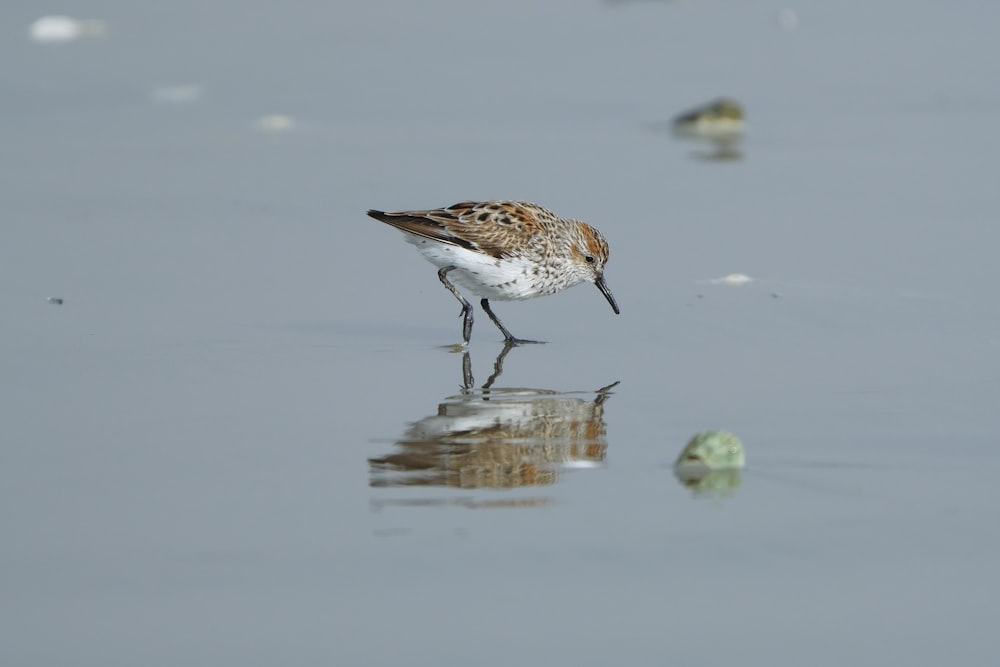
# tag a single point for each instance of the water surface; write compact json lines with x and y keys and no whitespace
{"x":195,"y":441}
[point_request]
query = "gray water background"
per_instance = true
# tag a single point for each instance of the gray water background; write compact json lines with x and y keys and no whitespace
{"x":185,"y":440}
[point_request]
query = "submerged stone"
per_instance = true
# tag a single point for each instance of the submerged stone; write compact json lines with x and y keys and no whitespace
{"x":714,"y":450}
{"x":721,"y":121}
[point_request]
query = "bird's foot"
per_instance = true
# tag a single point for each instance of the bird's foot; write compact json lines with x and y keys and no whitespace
{"x":522,"y":341}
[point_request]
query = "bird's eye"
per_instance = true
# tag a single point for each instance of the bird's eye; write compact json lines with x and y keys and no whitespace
{"x":590,"y":259}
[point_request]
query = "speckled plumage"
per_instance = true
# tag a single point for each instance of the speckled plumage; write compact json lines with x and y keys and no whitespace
{"x":504,"y":250}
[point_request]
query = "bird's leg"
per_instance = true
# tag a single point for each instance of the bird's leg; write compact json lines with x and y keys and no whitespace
{"x":468,"y":382}
{"x":466,"y":313}
{"x":485,"y":303}
{"x":497,"y":366}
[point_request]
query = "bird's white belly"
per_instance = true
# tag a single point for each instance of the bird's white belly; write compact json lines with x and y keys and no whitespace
{"x":485,"y":276}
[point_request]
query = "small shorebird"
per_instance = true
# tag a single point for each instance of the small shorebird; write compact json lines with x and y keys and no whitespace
{"x":504,"y":250}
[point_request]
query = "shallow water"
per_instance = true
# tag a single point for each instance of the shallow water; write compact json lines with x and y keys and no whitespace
{"x":245,"y":436}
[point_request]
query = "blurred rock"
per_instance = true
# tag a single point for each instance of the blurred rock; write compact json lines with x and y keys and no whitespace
{"x":62,"y":29}
{"x":721,"y":122}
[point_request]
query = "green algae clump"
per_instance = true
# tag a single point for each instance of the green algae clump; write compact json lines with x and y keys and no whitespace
{"x":715,"y":450}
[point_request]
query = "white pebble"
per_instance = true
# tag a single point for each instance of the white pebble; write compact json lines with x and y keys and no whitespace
{"x":788,"y":19}
{"x":175,"y":94}
{"x":275,"y":123}
{"x":733,"y":279}
{"x":60,"y":29}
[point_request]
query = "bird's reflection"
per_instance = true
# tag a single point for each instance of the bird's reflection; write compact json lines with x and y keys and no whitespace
{"x":498,"y":438}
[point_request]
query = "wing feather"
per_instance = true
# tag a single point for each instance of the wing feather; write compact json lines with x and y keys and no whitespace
{"x":490,"y":227}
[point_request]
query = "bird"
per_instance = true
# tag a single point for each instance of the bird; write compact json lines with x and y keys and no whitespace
{"x":504,"y":250}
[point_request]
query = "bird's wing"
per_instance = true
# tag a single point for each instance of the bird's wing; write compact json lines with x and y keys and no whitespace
{"x":490,"y":227}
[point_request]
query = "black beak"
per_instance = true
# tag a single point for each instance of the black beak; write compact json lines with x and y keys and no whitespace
{"x":601,"y":285}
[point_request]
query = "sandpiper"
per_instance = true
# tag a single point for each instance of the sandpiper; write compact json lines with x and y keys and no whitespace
{"x":504,"y":250}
